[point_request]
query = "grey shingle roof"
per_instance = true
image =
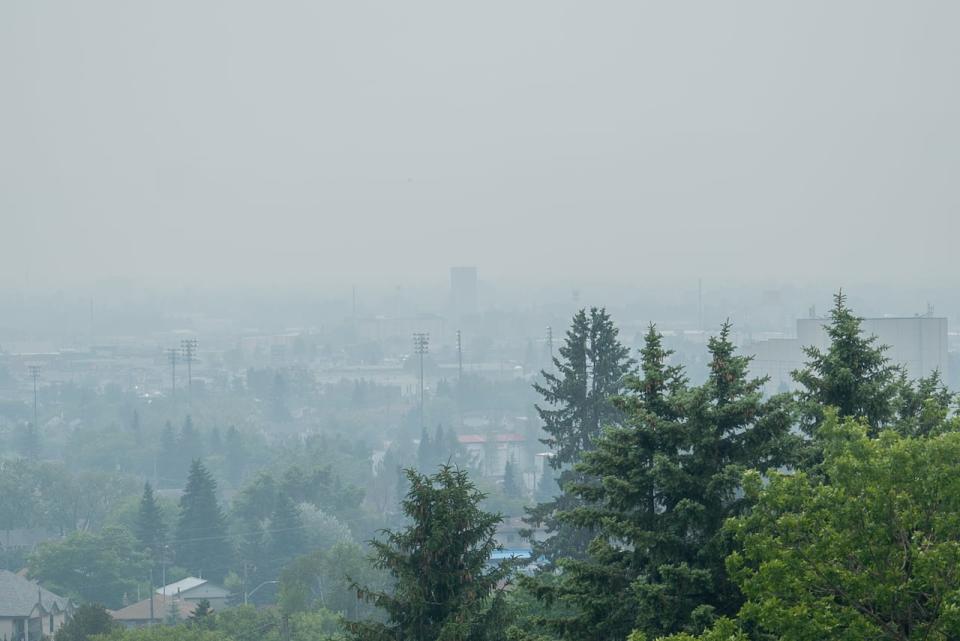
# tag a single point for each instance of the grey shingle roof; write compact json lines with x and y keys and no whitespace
{"x":18,"y":596}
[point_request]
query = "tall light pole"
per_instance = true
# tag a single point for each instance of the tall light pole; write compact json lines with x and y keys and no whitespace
{"x":247,"y":595}
{"x":421,"y":345}
{"x":459,"y":357}
{"x":189,"y":347}
{"x":460,"y":376}
{"x":35,"y":374}
{"x":172,"y":356}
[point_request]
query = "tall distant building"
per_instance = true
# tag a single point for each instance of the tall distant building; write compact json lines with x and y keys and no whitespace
{"x":463,"y":290}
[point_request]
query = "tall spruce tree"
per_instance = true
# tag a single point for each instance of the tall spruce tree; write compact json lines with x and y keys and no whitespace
{"x":922,"y":406}
{"x":426,"y":456}
{"x":202,"y":544}
{"x":730,"y":429}
{"x":444,"y":584}
{"x":853,"y":374}
{"x":287,"y":538}
{"x":512,"y":483}
{"x":150,"y":530}
{"x":664,"y":483}
{"x":591,"y":371}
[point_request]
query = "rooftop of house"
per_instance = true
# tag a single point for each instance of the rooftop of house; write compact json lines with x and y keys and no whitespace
{"x":19,"y":596}
{"x":140,"y":611}
{"x":182,"y":585}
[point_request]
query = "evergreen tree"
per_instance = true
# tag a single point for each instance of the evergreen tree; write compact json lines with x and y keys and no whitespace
{"x":445,"y":587}
{"x":665,"y":482}
{"x":577,"y":402}
{"x":730,"y":429}
{"x":236,"y":456}
{"x":287,"y":538}
{"x":202,"y":615}
{"x":252,"y":509}
{"x":442,"y":449}
{"x":87,"y":620}
{"x":425,"y":453}
{"x":202,"y":542}
{"x":189,"y":445}
{"x":135,"y":422}
{"x":173,"y":612}
{"x":921,"y":407}
{"x":512,"y":484}
{"x":853,"y":374}
{"x":28,"y":441}
{"x":150,"y":530}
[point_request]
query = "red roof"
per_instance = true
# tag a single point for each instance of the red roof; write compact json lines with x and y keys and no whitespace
{"x":140,"y":611}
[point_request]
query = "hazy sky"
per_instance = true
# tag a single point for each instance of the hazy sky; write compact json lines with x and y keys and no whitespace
{"x":299,"y":142}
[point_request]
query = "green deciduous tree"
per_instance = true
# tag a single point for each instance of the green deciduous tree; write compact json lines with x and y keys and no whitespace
{"x":922,"y":406}
{"x":445,"y":588}
{"x":871,"y":554}
{"x":323,"y":579}
{"x":90,"y":567}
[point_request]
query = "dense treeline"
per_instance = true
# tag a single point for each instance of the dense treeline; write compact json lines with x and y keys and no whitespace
{"x":711,"y":510}
{"x":674,"y":511}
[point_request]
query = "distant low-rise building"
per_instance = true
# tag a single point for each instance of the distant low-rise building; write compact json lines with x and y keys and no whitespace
{"x":193,"y":590}
{"x":29,"y":612}
{"x":490,"y":453}
{"x":156,"y":609}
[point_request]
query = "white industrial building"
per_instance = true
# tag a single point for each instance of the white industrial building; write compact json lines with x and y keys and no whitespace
{"x":918,"y":343}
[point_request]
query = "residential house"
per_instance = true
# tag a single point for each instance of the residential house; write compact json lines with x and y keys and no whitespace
{"x":155,"y":609}
{"x":490,"y":453}
{"x":28,"y":612}
{"x":194,"y":590}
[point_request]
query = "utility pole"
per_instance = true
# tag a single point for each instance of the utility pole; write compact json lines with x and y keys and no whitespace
{"x":189,"y":347}
{"x":35,"y":374}
{"x":151,"y":597}
{"x":460,"y":376}
{"x":173,"y":355}
{"x":459,"y":357}
{"x":421,"y":345}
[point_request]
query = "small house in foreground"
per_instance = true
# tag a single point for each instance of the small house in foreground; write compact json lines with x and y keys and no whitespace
{"x":29,"y":612}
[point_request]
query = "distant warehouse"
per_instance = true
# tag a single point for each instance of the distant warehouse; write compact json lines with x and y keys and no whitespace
{"x":918,"y":343}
